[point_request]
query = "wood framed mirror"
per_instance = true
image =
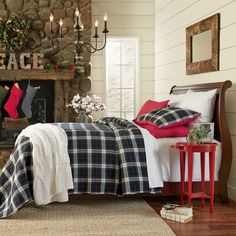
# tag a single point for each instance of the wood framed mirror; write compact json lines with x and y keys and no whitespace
{"x":202,"y":46}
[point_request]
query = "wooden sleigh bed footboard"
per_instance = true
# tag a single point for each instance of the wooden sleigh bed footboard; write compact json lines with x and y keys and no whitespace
{"x":221,"y":134}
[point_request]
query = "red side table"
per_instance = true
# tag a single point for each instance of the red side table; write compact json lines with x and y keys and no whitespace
{"x":202,"y":149}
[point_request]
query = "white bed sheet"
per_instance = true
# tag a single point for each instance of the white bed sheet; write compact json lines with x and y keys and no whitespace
{"x":154,"y":167}
{"x":163,"y":164}
{"x":170,"y":164}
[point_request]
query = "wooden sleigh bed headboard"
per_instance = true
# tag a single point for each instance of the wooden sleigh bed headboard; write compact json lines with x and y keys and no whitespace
{"x":221,"y":130}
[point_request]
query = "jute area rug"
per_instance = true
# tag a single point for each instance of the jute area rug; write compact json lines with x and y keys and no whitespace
{"x":85,"y":217}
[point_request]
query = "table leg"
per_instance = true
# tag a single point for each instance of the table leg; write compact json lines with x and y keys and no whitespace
{"x":190,"y":174}
{"x":182,"y":175}
{"x":212,"y":175}
{"x":203,"y":176}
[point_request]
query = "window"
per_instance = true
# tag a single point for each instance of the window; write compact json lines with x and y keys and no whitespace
{"x":121,"y":77}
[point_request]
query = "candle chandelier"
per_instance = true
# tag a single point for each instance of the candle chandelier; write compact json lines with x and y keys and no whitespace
{"x":79,"y":45}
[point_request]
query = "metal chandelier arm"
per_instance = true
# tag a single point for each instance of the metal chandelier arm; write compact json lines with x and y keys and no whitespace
{"x":104,"y":45}
{"x":72,"y":44}
{"x":88,"y":46}
{"x":95,"y":49}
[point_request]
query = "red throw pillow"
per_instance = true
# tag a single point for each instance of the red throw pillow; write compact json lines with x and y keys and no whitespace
{"x":151,"y":105}
{"x":177,"y":131}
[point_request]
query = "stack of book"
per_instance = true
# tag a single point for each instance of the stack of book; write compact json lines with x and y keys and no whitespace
{"x":180,"y":213}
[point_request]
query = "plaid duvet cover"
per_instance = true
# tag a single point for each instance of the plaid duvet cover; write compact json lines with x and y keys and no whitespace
{"x":16,"y":179}
{"x":107,"y":157}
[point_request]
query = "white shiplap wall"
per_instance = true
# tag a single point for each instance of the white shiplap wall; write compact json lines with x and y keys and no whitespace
{"x":171,"y":19}
{"x":127,"y":18}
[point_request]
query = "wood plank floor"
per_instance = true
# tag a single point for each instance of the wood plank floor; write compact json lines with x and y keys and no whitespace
{"x":221,"y":222}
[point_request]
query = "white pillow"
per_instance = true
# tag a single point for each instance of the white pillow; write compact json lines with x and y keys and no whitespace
{"x":175,"y":99}
{"x":202,"y":102}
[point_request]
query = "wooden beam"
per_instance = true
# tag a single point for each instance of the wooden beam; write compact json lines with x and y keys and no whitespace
{"x":10,"y":75}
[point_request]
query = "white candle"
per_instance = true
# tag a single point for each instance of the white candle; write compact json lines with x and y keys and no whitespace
{"x":105,"y":21}
{"x":77,"y":14}
{"x":51,"y":20}
{"x":61,"y":24}
{"x":105,"y":17}
{"x":51,"y":17}
{"x":96,"y":27}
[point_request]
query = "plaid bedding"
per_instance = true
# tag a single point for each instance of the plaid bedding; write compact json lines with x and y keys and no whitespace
{"x":107,"y":157}
{"x":16,"y":179}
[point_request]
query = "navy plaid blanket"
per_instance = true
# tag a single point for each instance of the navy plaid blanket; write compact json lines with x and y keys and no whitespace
{"x":107,"y":157}
{"x":16,"y":179}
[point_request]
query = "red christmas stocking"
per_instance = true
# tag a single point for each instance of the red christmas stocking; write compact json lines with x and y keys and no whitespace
{"x":13,"y":100}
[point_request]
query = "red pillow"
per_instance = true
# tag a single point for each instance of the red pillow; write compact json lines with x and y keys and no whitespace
{"x":152,"y":105}
{"x":177,"y":131}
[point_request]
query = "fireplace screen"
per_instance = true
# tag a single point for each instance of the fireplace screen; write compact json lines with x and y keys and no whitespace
{"x":39,"y":111}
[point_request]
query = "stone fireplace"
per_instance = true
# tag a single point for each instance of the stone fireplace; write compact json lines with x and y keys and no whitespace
{"x":64,"y":83}
{"x":57,"y":87}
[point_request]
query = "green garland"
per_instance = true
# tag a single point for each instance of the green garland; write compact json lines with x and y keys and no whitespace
{"x":78,"y":68}
{"x":14,"y":34}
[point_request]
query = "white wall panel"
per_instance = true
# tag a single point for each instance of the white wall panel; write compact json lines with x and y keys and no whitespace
{"x":147,"y":74}
{"x":97,"y":61}
{"x":146,"y":96}
{"x":147,"y":87}
{"x":96,"y":74}
{"x":176,"y":69}
{"x":133,"y":22}
{"x":231,"y":102}
{"x":147,"y":48}
{"x":227,"y":39}
{"x":120,"y":1}
{"x":117,"y":8}
{"x":231,"y":117}
{"x":171,"y":55}
{"x":145,"y":35}
{"x":147,"y":61}
{"x":234,"y":150}
{"x":162,"y":4}
{"x":190,"y":15}
{"x":227,"y":58}
{"x":170,"y":41}
{"x":228,"y":15}
{"x":173,"y":9}
{"x":98,"y":87}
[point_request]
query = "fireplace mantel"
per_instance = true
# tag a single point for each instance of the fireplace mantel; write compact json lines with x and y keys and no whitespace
{"x":10,"y":75}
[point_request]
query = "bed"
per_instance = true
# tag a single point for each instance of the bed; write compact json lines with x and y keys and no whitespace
{"x":126,"y":175}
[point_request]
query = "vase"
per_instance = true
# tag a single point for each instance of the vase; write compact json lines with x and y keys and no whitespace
{"x":82,"y":117}
{"x":90,"y":118}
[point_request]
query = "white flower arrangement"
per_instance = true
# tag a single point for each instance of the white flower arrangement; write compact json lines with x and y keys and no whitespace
{"x":86,"y":103}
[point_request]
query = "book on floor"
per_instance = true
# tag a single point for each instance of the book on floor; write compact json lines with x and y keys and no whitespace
{"x":179,"y":213}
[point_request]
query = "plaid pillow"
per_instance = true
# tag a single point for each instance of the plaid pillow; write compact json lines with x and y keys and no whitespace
{"x":167,"y":117}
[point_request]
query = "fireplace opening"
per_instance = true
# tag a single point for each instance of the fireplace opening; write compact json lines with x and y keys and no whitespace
{"x":42,"y":103}
{"x":42,"y":107}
